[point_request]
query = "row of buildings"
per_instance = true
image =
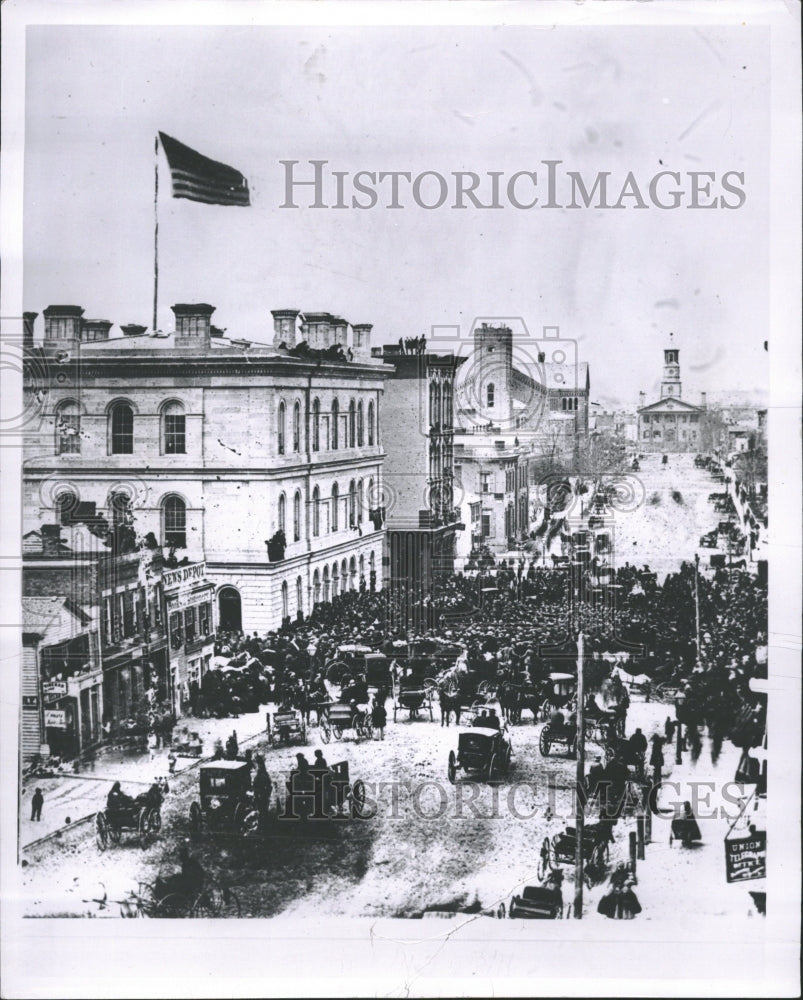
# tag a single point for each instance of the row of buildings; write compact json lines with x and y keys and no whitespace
{"x":184,"y":482}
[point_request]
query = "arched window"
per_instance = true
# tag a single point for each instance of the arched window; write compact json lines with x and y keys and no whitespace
{"x":335,"y":580}
{"x":360,"y":501}
{"x":174,"y":522}
{"x":316,"y":424}
{"x":335,"y":428}
{"x":370,"y":497}
{"x":281,"y":427}
{"x":299,"y":595}
{"x":352,"y":423}
{"x":344,"y":575}
{"x":316,"y":587}
{"x":360,"y":425}
{"x":362,"y":567}
{"x":371,"y":432}
{"x":352,"y":504}
{"x":173,"y":429}
{"x":285,"y":601}
{"x":448,"y":415}
{"x":490,"y":395}
{"x":372,"y":562}
{"x":335,"y":502}
{"x":68,"y":428}
{"x":326,"y":583}
{"x":297,"y":426}
{"x":121,"y":430}
{"x":316,"y":512}
{"x":297,"y":516}
{"x":282,"y":518}
{"x":352,"y":573}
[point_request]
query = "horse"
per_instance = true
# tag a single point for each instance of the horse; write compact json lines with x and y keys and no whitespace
{"x":510,"y":702}
{"x":450,"y":701}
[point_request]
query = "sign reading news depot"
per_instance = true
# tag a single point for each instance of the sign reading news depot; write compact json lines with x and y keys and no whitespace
{"x":181,"y":585}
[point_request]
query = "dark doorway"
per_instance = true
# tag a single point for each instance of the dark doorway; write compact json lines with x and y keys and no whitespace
{"x":230,"y":614}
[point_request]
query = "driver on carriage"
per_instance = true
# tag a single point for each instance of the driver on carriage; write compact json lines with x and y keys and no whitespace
{"x":487,"y":719}
{"x":117,"y":802}
{"x":188,"y":882}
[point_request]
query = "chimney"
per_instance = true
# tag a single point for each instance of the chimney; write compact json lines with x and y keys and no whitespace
{"x":193,"y":322}
{"x":27,"y":330}
{"x":317,"y":330}
{"x":703,"y":403}
{"x":95,"y":329}
{"x":340,"y":332}
{"x":284,"y":326}
{"x":133,"y":330}
{"x":362,"y":339}
{"x":51,"y":539}
{"x":642,"y":398}
{"x":62,"y":325}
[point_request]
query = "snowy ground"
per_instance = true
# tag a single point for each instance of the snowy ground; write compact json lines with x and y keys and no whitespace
{"x":429,"y":844}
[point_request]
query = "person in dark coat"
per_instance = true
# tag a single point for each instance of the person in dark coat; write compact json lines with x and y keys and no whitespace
{"x":379,"y":718}
{"x":657,"y":753}
{"x":36,"y":805}
{"x":595,"y":775}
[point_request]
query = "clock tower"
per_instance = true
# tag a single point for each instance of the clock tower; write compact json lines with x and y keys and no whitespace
{"x":671,"y":386}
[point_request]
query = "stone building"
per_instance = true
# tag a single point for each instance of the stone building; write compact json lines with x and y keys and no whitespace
{"x":260,"y":460}
{"x":494,"y":473}
{"x":419,"y":493}
{"x":670,"y":424}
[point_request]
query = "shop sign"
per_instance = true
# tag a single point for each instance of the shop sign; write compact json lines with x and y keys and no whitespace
{"x":54,"y":689}
{"x":746,"y":857}
{"x":184,"y":575}
{"x":30,"y":701}
{"x":55,"y":718}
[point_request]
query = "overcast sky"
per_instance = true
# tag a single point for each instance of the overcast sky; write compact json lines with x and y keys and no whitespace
{"x":445,"y":99}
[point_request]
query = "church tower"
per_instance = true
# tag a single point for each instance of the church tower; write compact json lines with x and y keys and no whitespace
{"x":671,"y":386}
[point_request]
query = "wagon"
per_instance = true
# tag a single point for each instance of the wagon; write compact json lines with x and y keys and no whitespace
{"x":143,"y":819}
{"x":560,"y":689}
{"x":377,"y":670}
{"x":215,"y":899}
{"x":327,"y":794}
{"x":537,"y":902}
{"x":336,"y":719}
{"x":225,"y":798}
{"x":482,"y":750}
{"x":562,"y":848}
{"x":553,"y":735}
{"x":286,"y":728}
{"x":414,"y":696}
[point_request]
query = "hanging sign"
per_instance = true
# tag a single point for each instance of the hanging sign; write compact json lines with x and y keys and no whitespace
{"x":55,"y":719}
{"x":746,"y":857}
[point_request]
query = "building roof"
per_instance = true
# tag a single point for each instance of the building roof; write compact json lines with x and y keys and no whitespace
{"x":39,"y":612}
{"x":670,"y":404}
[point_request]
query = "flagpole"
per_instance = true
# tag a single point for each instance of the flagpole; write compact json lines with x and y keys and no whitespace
{"x":155,"y":228}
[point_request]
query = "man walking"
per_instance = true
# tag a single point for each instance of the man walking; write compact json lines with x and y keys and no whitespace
{"x":36,"y":805}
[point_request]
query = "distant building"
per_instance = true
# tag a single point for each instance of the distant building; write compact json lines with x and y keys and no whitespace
{"x":495,"y":472}
{"x":670,"y":424}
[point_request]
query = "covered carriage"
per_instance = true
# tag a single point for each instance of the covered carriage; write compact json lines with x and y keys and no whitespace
{"x":225,"y":798}
{"x":336,"y":719}
{"x":481,"y":749}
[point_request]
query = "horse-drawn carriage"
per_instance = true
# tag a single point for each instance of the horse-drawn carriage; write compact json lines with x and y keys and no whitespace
{"x":143,"y":818}
{"x":413,"y":694}
{"x":323,"y":794}
{"x":225,"y":798}
{"x":562,"y":849}
{"x":558,"y":733}
{"x":539,"y":902}
{"x":617,"y":748}
{"x":483,"y":748}
{"x":337,"y":718}
{"x":558,"y":691}
{"x":286,"y":727}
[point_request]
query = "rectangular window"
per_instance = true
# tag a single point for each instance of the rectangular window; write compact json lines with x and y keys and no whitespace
{"x":156,"y":606}
{"x":69,"y":434}
{"x":128,"y":614}
{"x":108,"y":616}
{"x":175,"y":626}
{"x":486,"y":525}
{"x":485,"y":483}
{"x":189,"y":624}
{"x":175,"y":443}
{"x":203,"y":619}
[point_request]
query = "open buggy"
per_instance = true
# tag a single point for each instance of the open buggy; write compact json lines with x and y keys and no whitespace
{"x":286,"y":727}
{"x":143,"y":819}
{"x":413,"y":693}
{"x":562,"y":849}
{"x":483,"y":749}
{"x":337,"y":719}
{"x":225,"y":799}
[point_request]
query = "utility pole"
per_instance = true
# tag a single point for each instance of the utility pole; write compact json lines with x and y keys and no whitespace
{"x":697,"y":604}
{"x":579,"y":785}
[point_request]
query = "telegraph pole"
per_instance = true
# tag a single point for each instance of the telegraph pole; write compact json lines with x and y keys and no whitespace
{"x":697,"y":604}
{"x":579,"y":785}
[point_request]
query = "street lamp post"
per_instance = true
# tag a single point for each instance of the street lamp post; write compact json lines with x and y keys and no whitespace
{"x":579,"y":785}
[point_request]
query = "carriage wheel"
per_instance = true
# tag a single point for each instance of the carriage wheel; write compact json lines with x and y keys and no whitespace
{"x":500,"y":912}
{"x":452,"y":767}
{"x":216,"y":901}
{"x":491,"y":766}
{"x":326,"y":730}
{"x":357,"y":799}
{"x":248,"y":821}
{"x":101,"y":832}
{"x":337,"y":732}
{"x":431,"y":686}
{"x":195,"y":817}
{"x":368,"y":728}
{"x":506,"y":758}
{"x":143,"y":828}
{"x":172,"y":906}
{"x":543,"y":741}
{"x":115,"y":833}
{"x":545,"y":859}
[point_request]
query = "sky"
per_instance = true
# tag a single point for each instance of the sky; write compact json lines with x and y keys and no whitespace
{"x":598,"y":98}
